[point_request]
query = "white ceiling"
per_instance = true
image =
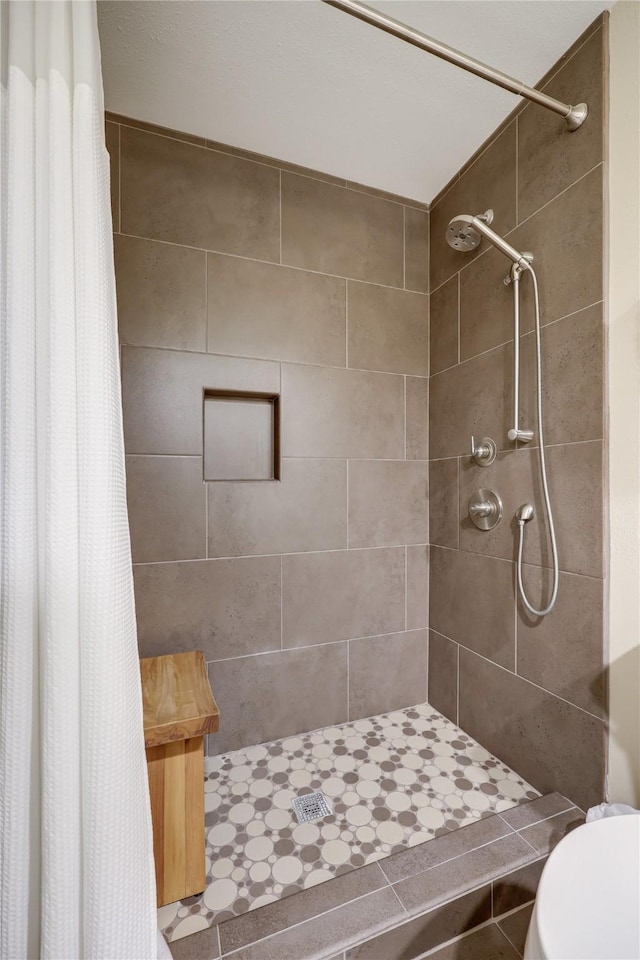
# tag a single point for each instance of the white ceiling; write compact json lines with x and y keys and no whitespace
{"x":304,"y":82}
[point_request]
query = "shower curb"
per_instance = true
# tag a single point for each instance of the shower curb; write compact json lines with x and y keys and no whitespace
{"x":419,"y":899}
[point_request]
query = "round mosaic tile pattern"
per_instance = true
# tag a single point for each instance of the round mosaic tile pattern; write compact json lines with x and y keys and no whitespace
{"x":394,"y":781}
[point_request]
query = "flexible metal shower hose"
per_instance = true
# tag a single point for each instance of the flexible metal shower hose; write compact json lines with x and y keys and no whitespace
{"x":543,"y":471}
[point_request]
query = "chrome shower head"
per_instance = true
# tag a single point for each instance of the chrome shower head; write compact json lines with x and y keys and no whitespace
{"x":465,"y":233}
{"x":461,"y":234}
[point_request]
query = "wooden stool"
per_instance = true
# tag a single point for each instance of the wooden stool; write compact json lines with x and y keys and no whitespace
{"x":178,"y":710}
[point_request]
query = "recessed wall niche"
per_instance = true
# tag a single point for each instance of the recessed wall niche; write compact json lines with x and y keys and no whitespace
{"x":241,"y":436}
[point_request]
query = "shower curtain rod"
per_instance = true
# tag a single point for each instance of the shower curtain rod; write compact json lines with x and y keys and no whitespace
{"x":574,"y":115}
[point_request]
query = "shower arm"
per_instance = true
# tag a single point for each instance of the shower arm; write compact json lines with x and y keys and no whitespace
{"x":574,"y":115}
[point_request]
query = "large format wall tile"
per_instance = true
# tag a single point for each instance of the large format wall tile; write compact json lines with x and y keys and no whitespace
{"x":305,"y":510}
{"x":472,"y":602}
{"x":562,"y":652}
{"x":161,"y":294}
{"x":576,"y":488}
{"x":186,"y":194}
{"x":327,"y":412}
{"x":489,"y":182}
{"x":162,"y":395}
{"x":471,"y":398}
{"x":417,"y":418}
{"x":548,"y":159}
{"x":443,"y":326}
{"x":388,"y":502}
{"x":554,"y":745}
{"x":388,"y":329}
{"x":486,"y":304}
{"x":344,"y":232}
{"x":416,"y":250}
{"x":573,"y":374}
{"x":338,"y":595}
{"x":266,"y":310}
{"x":226,"y":608}
{"x":166,"y":500}
{"x":275,"y":695}
{"x":384,"y":671}
{"x":417,"y":586}
{"x":566,"y":238}
{"x":443,"y":503}
{"x":443,"y":675}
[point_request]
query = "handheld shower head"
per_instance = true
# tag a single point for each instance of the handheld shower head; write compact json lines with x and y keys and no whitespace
{"x":465,"y":233}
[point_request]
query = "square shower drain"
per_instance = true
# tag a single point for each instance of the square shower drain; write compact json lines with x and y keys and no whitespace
{"x":312,"y":806}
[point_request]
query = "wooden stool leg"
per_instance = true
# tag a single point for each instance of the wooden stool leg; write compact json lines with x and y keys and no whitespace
{"x":195,"y":876}
{"x":176,"y":784}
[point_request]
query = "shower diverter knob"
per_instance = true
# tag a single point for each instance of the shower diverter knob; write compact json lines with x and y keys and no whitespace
{"x":485,"y":509}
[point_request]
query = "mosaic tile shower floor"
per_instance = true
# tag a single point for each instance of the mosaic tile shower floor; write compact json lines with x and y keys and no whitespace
{"x":394,"y":781}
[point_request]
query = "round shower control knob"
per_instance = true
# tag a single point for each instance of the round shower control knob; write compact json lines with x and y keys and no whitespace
{"x":485,"y":509}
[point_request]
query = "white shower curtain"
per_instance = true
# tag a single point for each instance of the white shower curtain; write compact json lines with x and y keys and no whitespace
{"x":76,"y":861}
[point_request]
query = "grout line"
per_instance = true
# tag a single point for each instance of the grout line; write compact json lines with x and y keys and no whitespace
{"x":504,"y":934}
{"x":289,"y":553}
{"x":458,"y":685}
{"x":348,"y":681}
{"x":459,"y":938}
{"x":280,"y":210}
{"x":504,"y":343}
{"x":527,"y":563}
{"x":317,"y":916}
{"x":119,"y":179}
{"x":404,"y":248}
{"x":196,"y":456}
{"x":458,"y":488}
{"x":313,"y":646}
{"x":406,"y":621}
{"x":517,"y":119}
{"x":513,"y":829}
{"x":396,"y":895}
{"x":600,"y":163}
{"x":536,"y":823}
{"x":347,"y":478}
{"x":537,"y":852}
{"x":281,"y":604}
{"x":274,"y":360}
{"x":461,"y":856}
{"x":428,"y":639}
{"x":523,"y":679}
{"x":405,"y":414}
{"x":275,"y":163}
{"x":272,"y":263}
{"x":346,"y":324}
{"x":219,"y":940}
{"x":206,"y":302}
{"x":459,"y":297}
{"x":206,"y":519}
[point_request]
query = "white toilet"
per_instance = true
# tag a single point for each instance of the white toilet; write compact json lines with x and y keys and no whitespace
{"x":588,"y":901}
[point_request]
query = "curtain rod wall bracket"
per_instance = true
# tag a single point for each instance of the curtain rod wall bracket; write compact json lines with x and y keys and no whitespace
{"x":574,"y":115}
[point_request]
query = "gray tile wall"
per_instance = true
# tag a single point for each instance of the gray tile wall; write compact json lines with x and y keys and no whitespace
{"x":308,"y":596}
{"x":531,"y":691}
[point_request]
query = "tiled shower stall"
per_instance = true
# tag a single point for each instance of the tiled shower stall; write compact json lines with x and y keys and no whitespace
{"x":244,"y":279}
